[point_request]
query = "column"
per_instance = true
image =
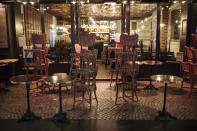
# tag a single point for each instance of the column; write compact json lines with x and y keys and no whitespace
{"x":122,"y":18}
{"x":72,"y":10}
{"x":42,"y":19}
{"x":158,"y":33}
{"x":128,"y":17}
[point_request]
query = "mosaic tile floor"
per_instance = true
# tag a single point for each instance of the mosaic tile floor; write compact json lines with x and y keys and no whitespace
{"x":179,"y":104}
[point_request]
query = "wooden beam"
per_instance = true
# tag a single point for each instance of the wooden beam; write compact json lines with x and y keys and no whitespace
{"x":122,"y":18}
{"x":77,"y":20}
{"x":42,"y":18}
{"x":72,"y":10}
{"x":158,"y":32}
{"x":128,"y":17}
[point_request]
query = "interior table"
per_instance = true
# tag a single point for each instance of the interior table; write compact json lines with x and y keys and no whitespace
{"x":164,"y":115}
{"x":2,"y":70}
{"x":61,"y":79}
{"x":151,"y":63}
{"x":8,"y":60}
{"x":27,"y":80}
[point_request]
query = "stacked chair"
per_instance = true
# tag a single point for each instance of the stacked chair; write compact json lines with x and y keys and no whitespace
{"x":189,"y":65}
{"x":83,"y":70}
{"x":126,"y":73}
{"x":35,"y":59}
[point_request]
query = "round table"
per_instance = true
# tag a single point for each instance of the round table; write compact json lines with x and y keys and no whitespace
{"x":61,"y":79}
{"x":151,"y":63}
{"x":8,"y":60}
{"x":27,"y":80}
{"x":163,"y":115}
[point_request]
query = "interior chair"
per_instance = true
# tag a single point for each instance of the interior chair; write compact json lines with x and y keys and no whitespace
{"x":193,"y":78}
{"x":112,"y":60}
{"x":194,"y":53}
{"x":188,"y":53}
{"x":185,"y":71}
{"x":125,"y":75}
{"x":84,"y":78}
{"x":39,"y":42}
{"x":33,"y":64}
{"x":194,"y":40}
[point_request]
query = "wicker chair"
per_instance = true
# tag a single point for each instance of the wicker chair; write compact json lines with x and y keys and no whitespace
{"x":188,"y":53}
{"x":185,"y":71}
{"x":84,"y":78}
{"x":125,"y":71}
{"x":33,"y":62}
{"x":112,"y":60}
{"x":193,"y":78}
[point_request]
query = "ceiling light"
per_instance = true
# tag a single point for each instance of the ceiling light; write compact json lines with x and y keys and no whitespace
{"x":174,"y":2}
{"x":73,"y":2}
{"x":162,"y":25}
{"x":132,"y":2}
{"x":183,"y":2}
{"x":32,"y":3}
{"x":124,"y":2}
{"x":110,"y":3}
{"x":146,"y":19}
{"x":82,"y":2}
{"x":24,"y":3}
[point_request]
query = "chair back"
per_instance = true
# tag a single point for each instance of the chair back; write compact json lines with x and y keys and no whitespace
{"x":34,"y":61}
{"x":194,"y":52}
{"x":87,"y":40}
{"x":129,"y":41}
{"x":193,"y":69}
{"x":188,"y":53}
{"x":194,"y":40}
{"x":185,"y":67}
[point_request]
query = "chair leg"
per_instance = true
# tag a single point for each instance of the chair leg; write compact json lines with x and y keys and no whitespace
{"x":136,"y":95}
{"x":74,"y":97}
{"x":123,"y":92}
{"x":83,"y":94}
{"x":111,"y":78}
{"x":95,"y":96}
{"x":182,"y":84}
{"x":116,"y":94}
{"x":90,"y":97}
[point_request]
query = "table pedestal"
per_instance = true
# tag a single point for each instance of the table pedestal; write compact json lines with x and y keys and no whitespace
{"x":61,"y":116}
{"x":150,"y":86}
{"x":163,"y":115}
{"x":29,"y":115}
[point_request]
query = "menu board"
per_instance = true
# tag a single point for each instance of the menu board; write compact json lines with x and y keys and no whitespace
{"x":3,"y":29}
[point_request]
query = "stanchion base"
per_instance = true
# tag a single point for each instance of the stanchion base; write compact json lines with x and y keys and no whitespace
{"x":28,"y":116}
{"x":150,"y":87}
{"x":163,"y":115}
{"x":60,"y":117}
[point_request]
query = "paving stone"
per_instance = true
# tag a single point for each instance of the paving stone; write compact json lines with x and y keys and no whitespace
{"x":13,"y":104}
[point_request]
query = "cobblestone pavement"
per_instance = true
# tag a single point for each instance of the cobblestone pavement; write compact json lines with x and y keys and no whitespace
{"x":179,"y":104}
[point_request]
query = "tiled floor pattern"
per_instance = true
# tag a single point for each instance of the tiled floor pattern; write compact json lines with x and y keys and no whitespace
{"x":179,"y":104}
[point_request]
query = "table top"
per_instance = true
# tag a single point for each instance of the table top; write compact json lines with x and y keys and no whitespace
{"x":8,"y":60}
{"x":151,"y":62}
{"x":25,"y":79}
{"x":131,"y":62}
{"x":62,"y":79}
{"x":3,"y":64}
{"x":166,"y":78}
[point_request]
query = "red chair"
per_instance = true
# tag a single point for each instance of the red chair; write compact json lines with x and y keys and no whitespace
{"x":39,"y":42}
{"x":194,"y":52}
{"x":112,"y":60}
{"x":194,"y":40}
{"x":193,"y":78}
{"x":188,"y":53}
{"x":185,"y":71}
